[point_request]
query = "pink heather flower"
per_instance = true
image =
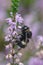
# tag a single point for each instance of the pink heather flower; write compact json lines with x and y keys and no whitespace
{"x":8,"y":38}
{"x":7,"y":57}
{"x":9,"y":21}
{"x":13,"y":51}
{"x":17,"y":60}
{"x":15,"y":56}
{"x":9,"y":30}
{"x":10,"y":45}
{"x":19,"y":54}
{"x":7,"y":46}
{"x":13,"y":25}
{"x":21,"y":63}
{"x":18,"y":18}
{"x":11,"y":37}
{"x":17,"y":15}
{"x":14,"y":33}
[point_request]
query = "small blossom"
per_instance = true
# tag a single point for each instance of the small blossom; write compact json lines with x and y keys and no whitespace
{"x":13,"y":40}
{"x":9,"y":21}
{"x":10,"y":45}
{"x":10,"y":37}
{"x":8,"y":64}
{"x":11,"y":13}
{"x":14,"y":33}
{"x":13,"y":25}
{"x":7,"y":46}
{"x":12,"y":51}
{"x":18,"y":18}
{"x":7,"y":57}
{"x":15,"y":56}
{"x":10,"y":56}
{"x":21,"y":63}
{"x":9,"y":30}
{"x":7,"y":38}
{"x":17,"y":60}
{"x":19,"y":54}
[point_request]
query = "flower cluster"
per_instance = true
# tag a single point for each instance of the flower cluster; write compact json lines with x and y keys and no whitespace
{"x":18,"y":35}
{"x":11,"y":37}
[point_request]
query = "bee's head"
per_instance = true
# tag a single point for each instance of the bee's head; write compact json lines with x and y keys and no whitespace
{"x":25,"y":28}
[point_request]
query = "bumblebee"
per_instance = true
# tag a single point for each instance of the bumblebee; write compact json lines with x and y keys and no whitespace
{"x":21,"y":44}
{"x":26,"y":32}
{"x":23,"y":38}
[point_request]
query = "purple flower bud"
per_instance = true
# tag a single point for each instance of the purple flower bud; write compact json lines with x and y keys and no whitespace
{"x":9,"y":21}
{"x":19,"y":18}
{"x":8,"y":38}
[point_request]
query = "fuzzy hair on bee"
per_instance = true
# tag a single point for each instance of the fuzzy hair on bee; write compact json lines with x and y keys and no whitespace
{"x":23,"y":38}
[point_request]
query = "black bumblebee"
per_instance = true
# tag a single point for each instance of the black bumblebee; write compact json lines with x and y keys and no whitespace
{"x":20,"y":44}
{"x":25,"y":36}
{"x":26,"y":32}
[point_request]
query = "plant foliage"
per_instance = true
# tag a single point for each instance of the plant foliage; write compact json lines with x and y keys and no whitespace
{"x":14,"y":6}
